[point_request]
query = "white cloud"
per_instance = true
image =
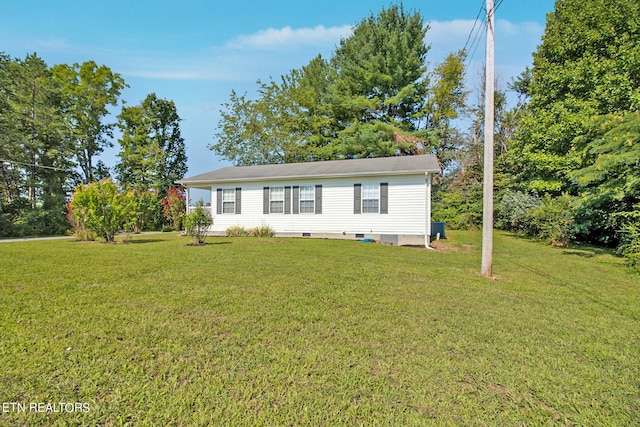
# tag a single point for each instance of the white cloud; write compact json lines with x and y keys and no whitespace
{"x":272,"y":52}
{"x":55,"y":45}
{"x":175,"y":75}
{"x":273,"y":38}
{"x":526,"y":29}
{"x":453,"y":32}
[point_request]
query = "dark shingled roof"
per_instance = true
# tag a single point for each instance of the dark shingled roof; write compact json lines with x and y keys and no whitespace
{"x":399,"y":165}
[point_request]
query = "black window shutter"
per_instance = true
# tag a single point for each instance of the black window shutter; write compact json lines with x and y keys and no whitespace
{"x":265,"y":200}
{"x":296,"y":199}
{"x":318,"y":203}
{"x":357,"y":198}
{"x":218,"y":200}
{"x":238,"y":200}
{"x":384,"y":198}
{"x":287,"y":200}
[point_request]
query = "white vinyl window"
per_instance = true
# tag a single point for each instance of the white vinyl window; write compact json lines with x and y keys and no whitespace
{"x":229,"y":200}
{"x":307,"y":199}
{"x":276,"y":200}
{"x":370,"y":198}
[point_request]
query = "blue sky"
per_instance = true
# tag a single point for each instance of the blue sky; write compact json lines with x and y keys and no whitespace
{"x":196,"y":52}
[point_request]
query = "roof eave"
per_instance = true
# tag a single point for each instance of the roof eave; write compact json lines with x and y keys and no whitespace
{"x":286,"y":177}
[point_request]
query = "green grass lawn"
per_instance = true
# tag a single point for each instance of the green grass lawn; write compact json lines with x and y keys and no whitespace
{"x":248,"y":331}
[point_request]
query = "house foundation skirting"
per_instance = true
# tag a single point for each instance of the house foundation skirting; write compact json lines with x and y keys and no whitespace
{"x":392,"y":239}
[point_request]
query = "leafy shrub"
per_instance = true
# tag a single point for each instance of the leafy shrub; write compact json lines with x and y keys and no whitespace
{"x":262,"y":231}
{"x":103,"y":209}
{"x":174,"y":207}
{"x":547,"y":218}
{"x":78,"y":227}
{"x":513,"y":212}
{"x":630,"y":237}
{"x":554,"y":219}
{"x":20,"y":219}
{"x":459,"y":208}
{"x":146,"y":206}
{"x":236,"y":231}
{"x":630,"y":246}
{"x":197,"y":223}
{"x":240,"y":231}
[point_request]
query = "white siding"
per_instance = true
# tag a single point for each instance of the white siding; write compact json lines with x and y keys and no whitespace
{"x":407,"y":207}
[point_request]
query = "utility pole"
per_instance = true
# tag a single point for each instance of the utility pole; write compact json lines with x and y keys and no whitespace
{"x":487,"y":189}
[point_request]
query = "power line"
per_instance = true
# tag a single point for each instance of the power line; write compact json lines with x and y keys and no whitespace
{"x":477,"y":38}
{"x":477,"y":35}
{"x":474,"y":26}
{"x":35,"y":166}
{"x":476,"y":42}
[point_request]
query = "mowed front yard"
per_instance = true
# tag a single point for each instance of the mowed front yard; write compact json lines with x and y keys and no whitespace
{"x":249,"y":331}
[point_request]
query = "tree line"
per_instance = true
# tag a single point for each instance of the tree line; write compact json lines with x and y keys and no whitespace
{"x":54,"y":125}
{"x":567,"y":154}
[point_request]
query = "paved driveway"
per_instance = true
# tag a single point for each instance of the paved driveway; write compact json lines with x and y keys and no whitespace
{"x":26,"y":239}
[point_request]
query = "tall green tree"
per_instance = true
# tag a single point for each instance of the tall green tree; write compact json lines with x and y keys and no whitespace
{"x":608,"y":175}
{"x":381,"y":82}
{"x":458,"y":197}
{"x":36,"y":129}
{"x":287,"y":123}
{"x":10,"y":176}
{"x":152,"y":153}
{"x":587,"y":65}
{"x":34,"y":151}
{"x":446,"y":100}
{"x":373,"y":98}
{"x":87,"y":91}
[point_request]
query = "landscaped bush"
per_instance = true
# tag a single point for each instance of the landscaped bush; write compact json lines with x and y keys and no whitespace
{"x":103,"y":209}
{"x":79,"y":227}
{"x":197,"y":223}
{"x":236,"y":231}
{"x":174,"y":207}
{"x":262,"y":231}
{"x":240,"y":231}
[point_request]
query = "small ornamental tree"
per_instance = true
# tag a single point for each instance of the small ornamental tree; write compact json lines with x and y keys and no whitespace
{"x":146,"y":203}
{"x":101,"y":208}
{"x":197,"y":223}
{"x":173,"y":207}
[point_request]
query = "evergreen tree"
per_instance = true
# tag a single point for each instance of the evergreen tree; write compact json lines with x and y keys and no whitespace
{"x":153,"y":154}
{"x":371,"y":99}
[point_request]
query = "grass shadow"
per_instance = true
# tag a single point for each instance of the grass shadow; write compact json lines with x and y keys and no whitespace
{"x":207,"y":243}
{"x":587,"y":251}
{"x":135,"y":241}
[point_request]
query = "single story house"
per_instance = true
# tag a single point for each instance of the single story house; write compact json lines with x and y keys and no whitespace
{"x":386,"y":199}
